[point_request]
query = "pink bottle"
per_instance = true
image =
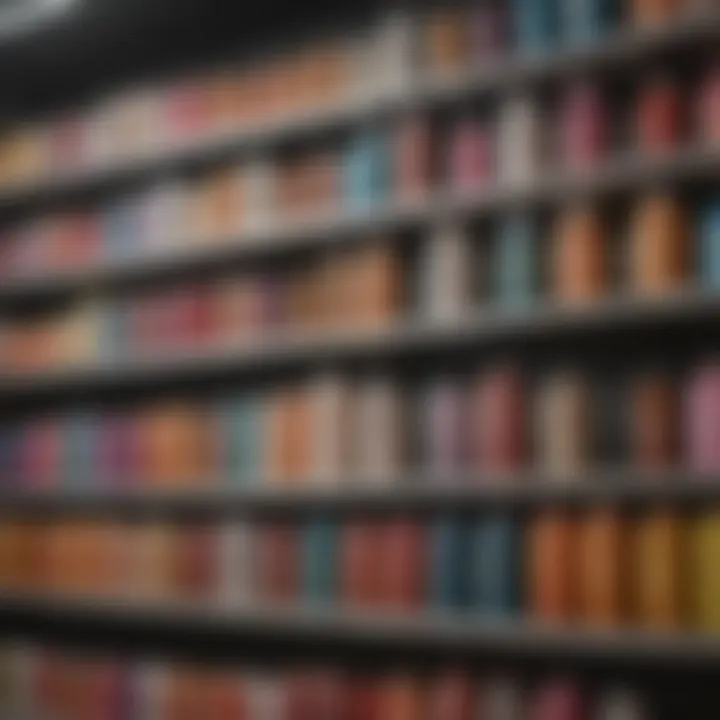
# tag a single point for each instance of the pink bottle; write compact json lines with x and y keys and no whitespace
{"x":584,"y":127}
{"x":702,"y":426}
{"x":187,"y":111}
{"x":499,"y":421}
{"x":470,"y":156}
{"x":559,"y":701}
{"x":452,"y":695}
{"x":709,"y":121}
{"x":68,"y":144}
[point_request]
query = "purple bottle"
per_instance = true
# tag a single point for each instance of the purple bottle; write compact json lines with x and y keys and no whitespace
{"x":444,"y":425}
{"x":584,"y":127}
{"x":118,"y":450}
{"x":702,"y":424}
{"x":489,"y":30}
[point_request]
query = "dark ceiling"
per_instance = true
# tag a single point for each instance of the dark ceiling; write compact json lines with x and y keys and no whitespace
{"x":105,"y":41}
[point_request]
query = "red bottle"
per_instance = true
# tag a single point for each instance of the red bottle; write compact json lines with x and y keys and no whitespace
{"x":278,"y":563}
{"x":453,"y":695}
{"x":361,"y":571}
{"x":559,"y":701}
{"x":42,"y":455}
{"x":660,"y":123}
{"x":315,"y":695}
{"x":499,"y":421}
{"x":362,"y":700}
{"x":196,"y":562}
{"x":655,"y":430}
{"x":404,"y":564}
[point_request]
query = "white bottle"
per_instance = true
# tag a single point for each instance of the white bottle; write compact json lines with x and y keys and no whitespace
{"x":520,"y":141}
{"x":445,"y":273}
{"x":332,"y":411}
{"x":379,"y":434}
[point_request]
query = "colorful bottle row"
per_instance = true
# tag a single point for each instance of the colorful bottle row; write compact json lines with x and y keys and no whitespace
{"x":375,"y":168}
{"x":332,"y":431}
{"x":386,"y":58}
{"x":45,"y":683}
{"x":357,"y":289}
{"x":576,"y":258}
{"x":510,"y":265}
{"x":655,"y":570}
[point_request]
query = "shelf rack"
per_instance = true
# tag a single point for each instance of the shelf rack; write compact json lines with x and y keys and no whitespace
{"x":619,"y":175}
{"x":625,"y":46}
{"x":404,"y":340}
{"x":402,"y":493}
{"x":321,"y":632}
{"x":228,"y":632}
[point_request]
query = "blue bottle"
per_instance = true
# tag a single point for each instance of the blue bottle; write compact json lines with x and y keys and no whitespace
{"x":709,"y":233}
{"x":537,"y":25}
{"x":10,"y":454}
{"x":516,"y":261}
{"x":319,"y":561}
{"x":448,"y":564}
{"x":368,"y":164}
{"x":124,"y":229}
{"x":495,"y":566}
{"x":585,"y":21}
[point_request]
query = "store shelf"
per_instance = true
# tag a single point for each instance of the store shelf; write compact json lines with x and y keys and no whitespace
{"x":323,"y":633}
{"x":626,"y":46}
{"x":620,"y":175}
{"x":487,"y":329}
{"x":409,"y":492}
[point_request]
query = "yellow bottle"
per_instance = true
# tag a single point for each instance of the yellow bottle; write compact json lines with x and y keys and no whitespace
{"x":706,"y":580}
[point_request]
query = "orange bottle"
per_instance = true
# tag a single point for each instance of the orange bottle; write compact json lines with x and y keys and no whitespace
{"x":650,"y":13}
{"x":603,"y":578}
{"x":660,"y":240}
{"x":580,"y":264}
{"x":552,"y":567}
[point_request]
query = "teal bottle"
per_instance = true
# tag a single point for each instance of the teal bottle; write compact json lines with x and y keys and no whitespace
{"x":537,"y":25}
{"x":448,"y":564}
{"x":586,"y":21}
{"x":320,"y":539}
{"x":368,"y":170}
{"x":242,"y":431}
{"x":709,"y":232}
{"x":81,"y":449}
{"x":516,"y":261}
{"x":114,"y":341}
{"x":495,"y":571}
{"x":123,"y":228}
